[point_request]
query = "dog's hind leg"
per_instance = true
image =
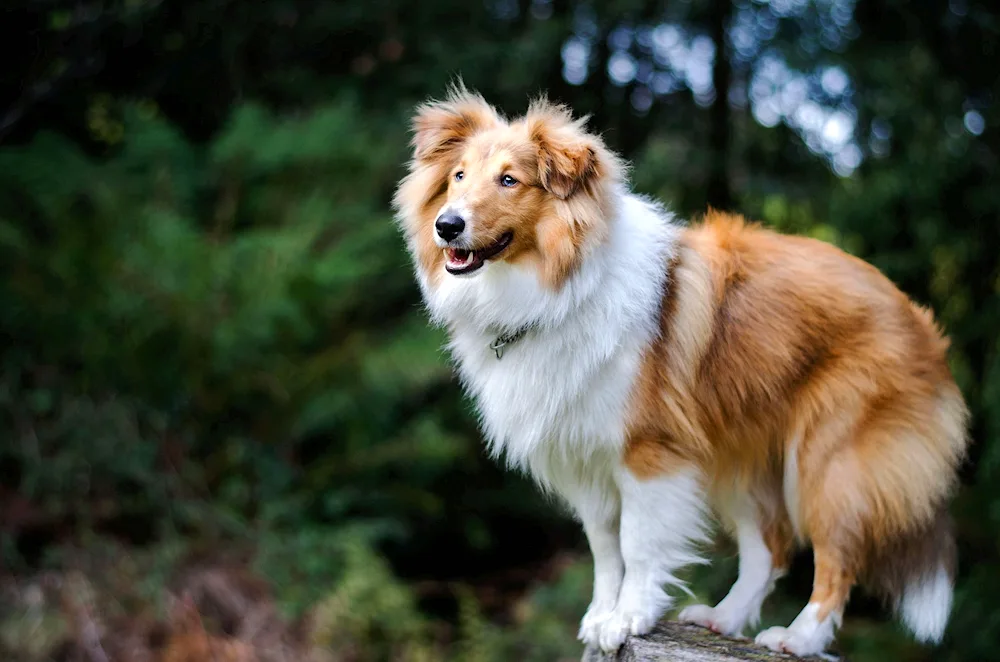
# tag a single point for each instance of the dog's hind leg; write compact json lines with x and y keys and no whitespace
{"x":764,"y":551}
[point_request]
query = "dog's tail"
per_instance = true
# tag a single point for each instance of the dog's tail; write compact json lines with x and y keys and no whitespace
{"x":916,"y":575}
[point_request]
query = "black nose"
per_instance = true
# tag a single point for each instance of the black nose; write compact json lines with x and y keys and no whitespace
{"x":449,"y":226}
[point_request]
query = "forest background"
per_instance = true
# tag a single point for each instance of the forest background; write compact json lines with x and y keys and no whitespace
{"x":217,"y":385}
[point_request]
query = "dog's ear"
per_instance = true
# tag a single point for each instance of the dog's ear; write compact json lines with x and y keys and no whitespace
{"x":439,"y":127}
{"x":568,"y":157}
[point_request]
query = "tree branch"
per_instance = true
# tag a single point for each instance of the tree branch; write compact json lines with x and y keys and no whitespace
{"x":679,"y":642}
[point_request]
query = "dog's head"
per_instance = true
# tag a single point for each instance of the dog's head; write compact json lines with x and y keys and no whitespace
{"x":486,"y":193}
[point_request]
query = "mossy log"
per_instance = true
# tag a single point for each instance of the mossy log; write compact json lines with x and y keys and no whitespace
{"x":671,"y":641}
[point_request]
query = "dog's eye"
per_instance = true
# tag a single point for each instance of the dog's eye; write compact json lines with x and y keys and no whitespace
{"x":508,"y":181}
{"x":459,"y":176}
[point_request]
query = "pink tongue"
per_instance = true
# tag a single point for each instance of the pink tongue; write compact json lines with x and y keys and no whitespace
{"x":460,"y":256}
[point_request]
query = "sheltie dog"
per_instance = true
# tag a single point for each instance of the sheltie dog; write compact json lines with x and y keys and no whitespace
{"x":659,"y":377}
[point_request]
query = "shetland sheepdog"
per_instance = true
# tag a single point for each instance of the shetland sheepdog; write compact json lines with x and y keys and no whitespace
{"x":661,"y":377}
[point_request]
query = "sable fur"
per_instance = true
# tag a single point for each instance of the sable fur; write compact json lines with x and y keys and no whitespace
{"x":796,"y":342}
{"x":788,"y":386}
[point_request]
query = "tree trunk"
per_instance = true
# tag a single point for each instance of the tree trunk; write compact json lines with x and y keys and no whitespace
{"x":718,"y":192}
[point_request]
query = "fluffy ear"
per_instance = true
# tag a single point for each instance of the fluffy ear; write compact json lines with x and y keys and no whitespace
{"x":440,"y":126}
{"x":568,"y":157}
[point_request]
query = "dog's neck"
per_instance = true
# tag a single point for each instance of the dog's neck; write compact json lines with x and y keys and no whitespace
{"x":592,"y":331}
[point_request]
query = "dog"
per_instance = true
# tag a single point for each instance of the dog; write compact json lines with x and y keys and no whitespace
{"x":660,"y":377}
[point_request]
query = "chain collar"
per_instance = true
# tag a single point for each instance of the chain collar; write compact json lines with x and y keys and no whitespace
{"x":505,"y":339}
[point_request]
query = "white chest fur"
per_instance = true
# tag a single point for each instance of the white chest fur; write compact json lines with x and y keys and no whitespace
{"x":562,"y":390}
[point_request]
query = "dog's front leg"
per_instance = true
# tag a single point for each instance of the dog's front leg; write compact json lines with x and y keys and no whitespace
{"x":597,"y":504}
{"x":663,"y":517}
{"x":601,"y":524}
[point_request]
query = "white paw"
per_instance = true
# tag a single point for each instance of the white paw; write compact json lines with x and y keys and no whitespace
{"x":716,"y":620}
{"x":590,"y":626}
{"x":785,"y":640}
{"x":619,"y":625}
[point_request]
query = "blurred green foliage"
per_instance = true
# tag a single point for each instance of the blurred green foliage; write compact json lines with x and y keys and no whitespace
{"x":211,"y":333}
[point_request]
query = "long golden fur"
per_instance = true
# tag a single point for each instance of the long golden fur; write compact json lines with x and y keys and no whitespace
{"x":771,"y":343}
{"x":787,"y":373}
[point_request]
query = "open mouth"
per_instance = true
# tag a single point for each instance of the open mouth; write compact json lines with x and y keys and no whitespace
{"x":461,"y":261}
